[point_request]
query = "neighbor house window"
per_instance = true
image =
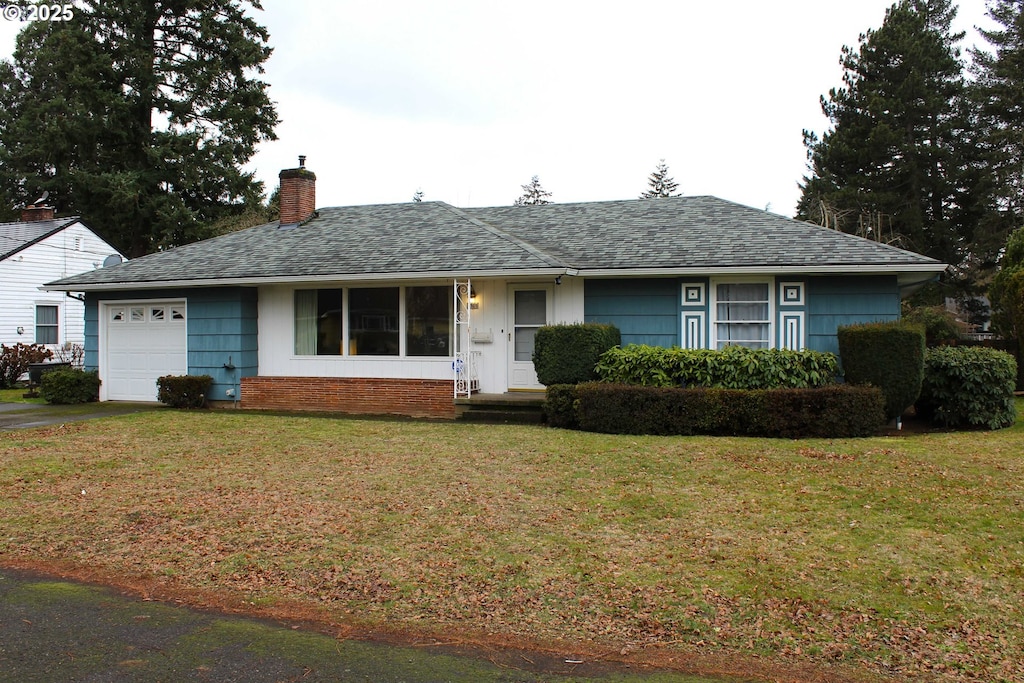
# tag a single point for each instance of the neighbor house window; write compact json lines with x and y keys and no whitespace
{"x":428,"y":321}
{"x":46,"y":325}
{"x":377,"y":322}
{"x":742,"y":315}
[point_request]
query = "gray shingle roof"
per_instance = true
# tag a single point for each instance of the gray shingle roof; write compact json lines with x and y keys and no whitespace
{"x":18,"y":235}
{"x":432,"y":238}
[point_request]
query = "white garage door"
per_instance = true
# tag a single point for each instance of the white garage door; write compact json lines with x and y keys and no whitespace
{"x":145,"y":340}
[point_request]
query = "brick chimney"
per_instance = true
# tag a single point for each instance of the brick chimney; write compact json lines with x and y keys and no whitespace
{"x":298,"y":193}
{"x":36,"y":212}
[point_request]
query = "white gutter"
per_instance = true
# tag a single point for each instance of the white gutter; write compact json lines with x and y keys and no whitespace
{"x":293,"y":279}
{"x":923,"y":268}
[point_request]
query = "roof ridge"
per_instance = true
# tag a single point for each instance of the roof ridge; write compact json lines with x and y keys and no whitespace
{"x":498,"y":232}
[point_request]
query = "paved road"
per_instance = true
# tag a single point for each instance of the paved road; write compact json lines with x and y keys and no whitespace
{"x":54,"y":630}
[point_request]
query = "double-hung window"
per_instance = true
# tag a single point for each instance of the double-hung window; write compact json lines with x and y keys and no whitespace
{"x":743,"y":314}
{"x":47,"y":331}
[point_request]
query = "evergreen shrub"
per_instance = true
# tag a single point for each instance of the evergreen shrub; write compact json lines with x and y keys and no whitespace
{"x":567,"y":354}
{"x":69,"y":386}
{"x":183,"y":391}
{"x":734,"y":367}
{"x":968,"y":386}
{"x":559,"y":406}
{"x":887,"y":355}
{"x":836,"y":411}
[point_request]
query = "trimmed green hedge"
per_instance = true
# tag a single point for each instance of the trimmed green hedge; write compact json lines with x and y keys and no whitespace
{"x":968,"y":386}
{"x":68,"y":386}
{"x":567,"y":354}
{"x":887,"y":355}
{"x":559,"y":406}
{"x":183,"y":391}
{"x":836,"y":411}
{"x":734,"y":367}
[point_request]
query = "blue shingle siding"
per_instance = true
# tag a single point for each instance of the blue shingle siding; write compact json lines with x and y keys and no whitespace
{"x":645,"y":311}
{"x":836,"y":301}
{"x":222,"y":329}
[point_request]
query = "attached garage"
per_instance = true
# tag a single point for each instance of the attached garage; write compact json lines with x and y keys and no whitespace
{"x":140,"y":342}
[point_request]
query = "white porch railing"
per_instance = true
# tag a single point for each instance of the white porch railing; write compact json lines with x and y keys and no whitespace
{"x":466,"y":366}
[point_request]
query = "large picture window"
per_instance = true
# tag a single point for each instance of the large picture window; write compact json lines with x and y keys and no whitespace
{"x":47,"y":331}
{"x":428,"y":321}
{"x":743,"y":315}
{"x":371,"y":321}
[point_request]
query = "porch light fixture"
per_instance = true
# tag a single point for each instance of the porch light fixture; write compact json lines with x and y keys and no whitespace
{"x":474,"y":300}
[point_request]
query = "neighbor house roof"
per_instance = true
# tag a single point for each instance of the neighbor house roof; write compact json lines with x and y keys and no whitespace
{"x":19,"y":235}
{"x":687,"y":235}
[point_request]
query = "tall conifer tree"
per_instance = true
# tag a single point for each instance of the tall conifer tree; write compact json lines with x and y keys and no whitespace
{"x":888,"y":167}
{"x":997,"y":95}
{"x":138,"y":115}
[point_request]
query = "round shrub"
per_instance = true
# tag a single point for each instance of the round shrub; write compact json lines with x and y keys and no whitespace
{"x":968,"y":386}
{"x":69,"y":386}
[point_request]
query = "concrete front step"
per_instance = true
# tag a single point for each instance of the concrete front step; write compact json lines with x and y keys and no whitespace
{"x":525,"y":408}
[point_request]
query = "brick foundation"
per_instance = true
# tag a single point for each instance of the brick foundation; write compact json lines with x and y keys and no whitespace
{"x":365,"y":396}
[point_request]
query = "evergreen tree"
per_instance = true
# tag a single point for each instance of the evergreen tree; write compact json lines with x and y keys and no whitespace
{"x":661,"y":185}
{"x":138,"y":116}
{"x":997,"y":95}
{"x":888,"y":169}
{"x":533,"y":193}
{"x":1007,"y":291}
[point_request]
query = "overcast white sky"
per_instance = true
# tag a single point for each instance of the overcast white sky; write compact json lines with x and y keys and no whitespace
{"x":467,"y":99}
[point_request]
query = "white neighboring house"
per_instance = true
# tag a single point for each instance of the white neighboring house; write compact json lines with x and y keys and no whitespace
{"x":38,"y":249}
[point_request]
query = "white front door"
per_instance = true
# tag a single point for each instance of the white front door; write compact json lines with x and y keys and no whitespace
{"x":529,"y":311}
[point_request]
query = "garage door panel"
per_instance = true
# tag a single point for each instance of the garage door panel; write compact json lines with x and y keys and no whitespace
{"x":143,"y":342}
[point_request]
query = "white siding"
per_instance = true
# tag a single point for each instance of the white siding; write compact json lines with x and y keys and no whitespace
{"x":489,"y":321}
{"x":73,"y":250}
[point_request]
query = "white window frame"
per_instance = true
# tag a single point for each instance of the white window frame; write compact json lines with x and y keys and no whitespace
{"x":713,"y":305}
{"x":54,"y":325}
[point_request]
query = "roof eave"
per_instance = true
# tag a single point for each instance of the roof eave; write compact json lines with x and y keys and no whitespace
{"x":297,"y":279}
{"x":706,"y":271}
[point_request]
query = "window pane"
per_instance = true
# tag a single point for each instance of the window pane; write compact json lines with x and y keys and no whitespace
{"x":428,"y":321}
{"x":373,"y":321}
{"x":531,"y":307}
{"x":46,"y":315}
{"x":524,"y":343}
{"x":328,"y":322}
{"x":305,"y":322}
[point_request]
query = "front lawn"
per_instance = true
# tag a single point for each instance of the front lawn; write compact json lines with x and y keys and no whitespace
{"x":892,"y":555}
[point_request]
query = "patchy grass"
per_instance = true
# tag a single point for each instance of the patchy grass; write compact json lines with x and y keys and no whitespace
{"x":18,"y":396}
{"x":897,"y":555}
